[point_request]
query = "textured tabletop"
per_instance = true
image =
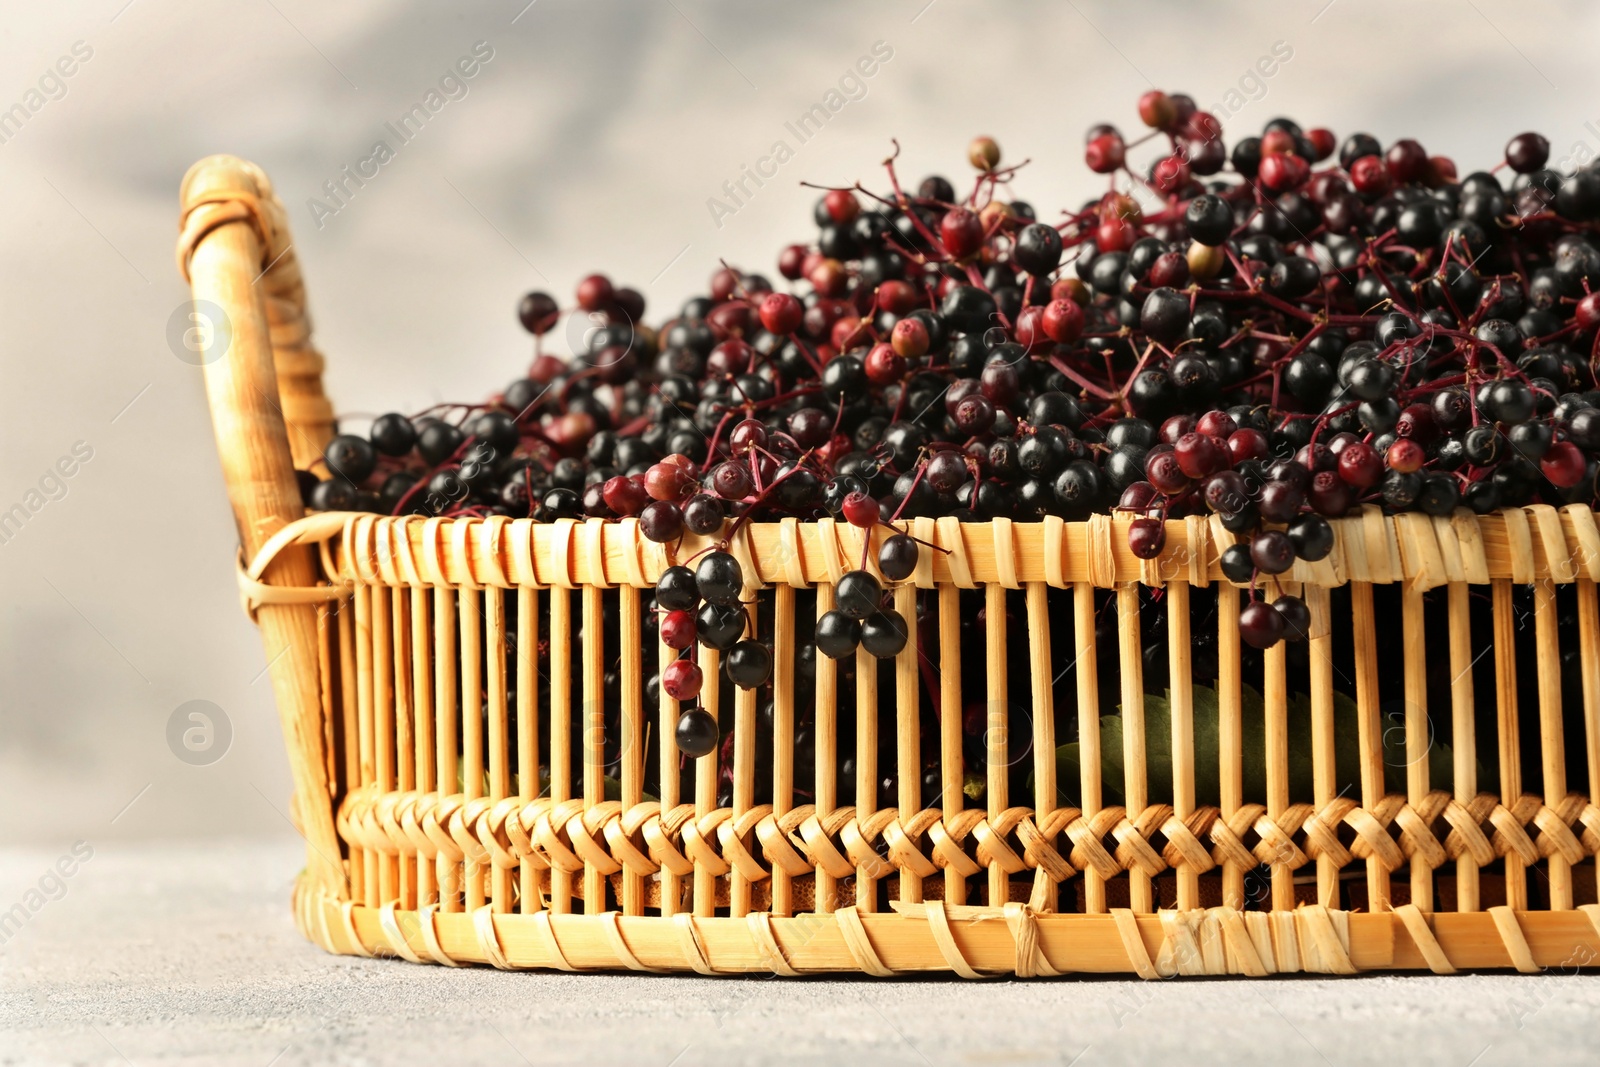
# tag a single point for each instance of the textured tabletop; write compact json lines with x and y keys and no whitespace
{"x":182,"y":953}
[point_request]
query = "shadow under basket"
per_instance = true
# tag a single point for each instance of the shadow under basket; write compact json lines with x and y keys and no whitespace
{"x":1073,"y":767}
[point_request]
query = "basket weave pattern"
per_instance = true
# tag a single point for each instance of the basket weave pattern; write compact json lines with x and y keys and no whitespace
{"x":389,"y":638}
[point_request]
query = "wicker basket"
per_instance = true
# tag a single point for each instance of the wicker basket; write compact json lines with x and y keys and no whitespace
{"x":406,"y":658}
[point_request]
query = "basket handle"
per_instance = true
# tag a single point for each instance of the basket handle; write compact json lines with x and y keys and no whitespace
{"x":220,"y":189}
{"x":234,"y":250}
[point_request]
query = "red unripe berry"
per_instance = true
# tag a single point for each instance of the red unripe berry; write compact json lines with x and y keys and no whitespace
{"x":848,"y":332}
{"x":681,"y":680}
{"x":1170,"y":269}
{"x":624,"y":495}
{"x":1070,"y":288}
{"x":842,"y":205}
{"x":781,"y":314}
{"x":1564,"y":465}
{"x":668,"y":481}
{"x":961,"y":231}
{"x":974,"y":415}
{"x":1329,"y":495}
{"x":1360,"y":466}
{"x":730,"y":357}
{"x":1416,"y":421}
{"x":1441,"y":171}
{"x":748,"y":434}
{"x":1114,"y":235}
{"x":1247,"y":444}
{"x":1174,"y":427}
{"x":1157,"y":110}
{"x":896,"y":297}
{"x":678,"y":629}
{"x":909,"y":338}
{"x":1147,"y":537}
{"x":731,"y":480}
{"x":1283,"y":172}
{"x":829,"y":278}
{"x":595,"y":292}
{"x":1370,"y":176}
{"x":860,"y":510}
{"x":1277,"y":142}
{"x":1327,"y":185}
{"x":1163,"y":471}
{"x":1322,"y":143}
{"x":1105,"y":153}
{"x":1202,"y":126}
{"x":792,"y":262}
{"x":544,"y":369}
{"x":1216,"y":424}
{"x":810,"y":262}
{"x":570,"y":432}
{"x":1029,"y":329}
{"x":1170,"y":174}
{"x":1407,"y":161}
{"x":732,"y":318}
{"x":724,"y":283}
{"x":959,"y":390}
{"x":884,"y":365}
{"x":1587,"y":313}
{"x":1200,"y":454}
{"x":1405,"y":456}
{"x":1062,"y":321}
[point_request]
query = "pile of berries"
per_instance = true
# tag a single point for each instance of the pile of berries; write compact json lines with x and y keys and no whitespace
{"x":1275,"y":332}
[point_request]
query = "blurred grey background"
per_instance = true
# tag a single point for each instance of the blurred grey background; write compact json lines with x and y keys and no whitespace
{"x":591,"y":138}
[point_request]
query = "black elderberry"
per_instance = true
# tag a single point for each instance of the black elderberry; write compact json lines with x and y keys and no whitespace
{"x":351,"y":458}
{"x":677,"y":589}
{"x":749,"y":664}
{"x":858,"y":594}
{"x":719,"y":626}
{"x":884,"y":633}
{"x":837,"y":634}
{"x":719,"y":578}
{"x":393,"y":434}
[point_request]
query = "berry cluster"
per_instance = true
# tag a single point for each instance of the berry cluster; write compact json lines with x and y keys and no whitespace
{"x":1275,"y":332}
{"x":701,"y":606}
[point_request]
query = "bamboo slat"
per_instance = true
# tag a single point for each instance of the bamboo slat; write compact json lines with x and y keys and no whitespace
{"x":866,"y":770}
{"x":527,"y":650}
{"x":1463,"y":722}
{"x":446,"y":736}
{"x":1324,"y":769}
{"x":1275,"y":694}
{"x":1136,"y":789}
{"x":1418,"y":728}
{"x":951,"y":761}
{"x":997,"y":726}
{"x":908,"y":730}
{"x":472,"y":747}
{"x":1369,"y":725}
{"x":1505,"y":677}
{"x":499,"y":744}
{"x":1089,"y":755}
{"x":827,"y":750}
{"x":560,"y":729}
{"x":783,"y":683}
{"x":1044,"y":726}
{"x":631,"y":741}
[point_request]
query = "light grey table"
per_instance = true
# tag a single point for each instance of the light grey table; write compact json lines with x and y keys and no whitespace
{"x":185,"y":953}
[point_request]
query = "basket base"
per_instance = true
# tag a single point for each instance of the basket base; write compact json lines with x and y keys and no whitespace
{"x":970,"y":941}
